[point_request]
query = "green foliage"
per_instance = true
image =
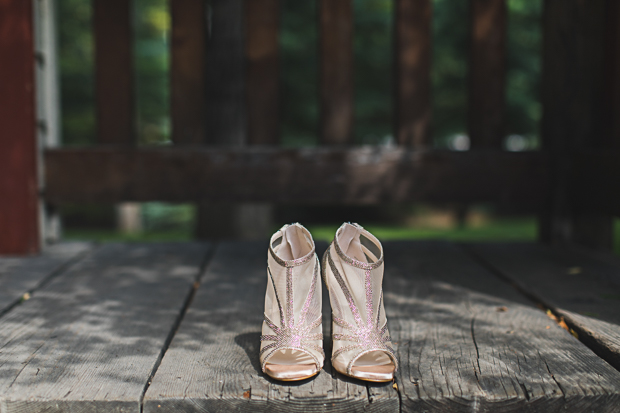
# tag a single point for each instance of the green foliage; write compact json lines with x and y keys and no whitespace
{"x":76,"y":45}
{"x":450,"y":45}
{"x":523,"y":78}
{"x":76,"y":62}
{"x":151,"y":28}
{"x":299,"y":75}
{"x":514,"y":229}
{"x":372,"y":43}
{"x":160,"y":216}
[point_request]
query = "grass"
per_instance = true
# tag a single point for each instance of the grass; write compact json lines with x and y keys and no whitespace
{"x":617,"y":236}
{"x":514,"y":229}
{"x":104,"y":235}
{"x":505,"y":229}
{"x":523,"y":229}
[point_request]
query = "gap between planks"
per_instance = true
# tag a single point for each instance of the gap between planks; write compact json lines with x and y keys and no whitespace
{"x":577,"y":331}
{"x":70,"y":262}
{"x":175,"y":326}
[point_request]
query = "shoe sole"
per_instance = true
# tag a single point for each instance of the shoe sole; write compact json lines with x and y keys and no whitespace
{"x":297,"y":378}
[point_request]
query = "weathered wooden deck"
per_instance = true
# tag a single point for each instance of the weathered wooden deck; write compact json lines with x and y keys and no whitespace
{"x":175,"y":328}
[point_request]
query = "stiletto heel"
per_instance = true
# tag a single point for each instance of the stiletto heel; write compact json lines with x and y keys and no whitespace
{"x":353,"y":274}
{"x":292,"y":338}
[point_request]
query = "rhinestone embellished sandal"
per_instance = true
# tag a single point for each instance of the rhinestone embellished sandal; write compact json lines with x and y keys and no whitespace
{"x":353,"y":274}
{"x":292,"y":338}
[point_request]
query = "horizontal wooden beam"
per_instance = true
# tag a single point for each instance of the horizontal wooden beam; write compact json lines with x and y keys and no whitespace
{"x":314,"y":175}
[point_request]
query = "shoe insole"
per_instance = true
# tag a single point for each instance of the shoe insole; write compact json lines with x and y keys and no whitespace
{"x":374,"y":358}
{"x":290,"y":364}
{"x":374,"y":366}
{"x":290,"y":357}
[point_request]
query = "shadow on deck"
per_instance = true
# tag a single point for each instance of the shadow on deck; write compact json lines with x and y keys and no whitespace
{"x":176,"y":327}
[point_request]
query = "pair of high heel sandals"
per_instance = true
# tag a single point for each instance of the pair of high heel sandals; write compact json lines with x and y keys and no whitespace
{"x":292,"y":333}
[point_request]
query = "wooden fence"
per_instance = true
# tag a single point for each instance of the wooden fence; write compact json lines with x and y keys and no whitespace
{"x":571,"y":181}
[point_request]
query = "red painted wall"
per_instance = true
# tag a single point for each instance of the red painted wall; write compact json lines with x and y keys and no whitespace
{"x":19,"y":232}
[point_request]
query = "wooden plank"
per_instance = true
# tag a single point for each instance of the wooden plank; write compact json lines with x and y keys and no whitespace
{"x":412,"y":54}
{"x":19,"y":220}
{"x":212,"y":363}
{"x":573,"y":115}
{"x":336,"y":71}
{"x":262,"y":28}
{"x":114,"y":86}
{"x":468,"y":342}
{"x":313,"y":175}
{"x":90,"y":340}
{"x":583,"y":290}
{"x":187,"y":71}
{"x":19,"y":276}
{"x":487,"y":78}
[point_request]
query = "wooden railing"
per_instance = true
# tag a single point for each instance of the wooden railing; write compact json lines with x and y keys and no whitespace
{"x":579,"y":60}
{"x":324,"y":175}
{"x":460,"y":177}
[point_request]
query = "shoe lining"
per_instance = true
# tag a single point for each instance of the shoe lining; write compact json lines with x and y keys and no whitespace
{"x":293,"y":244}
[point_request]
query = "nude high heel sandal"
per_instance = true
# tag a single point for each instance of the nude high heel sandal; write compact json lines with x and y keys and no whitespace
{"x":292,"y":334}
{"x":353,"y":274}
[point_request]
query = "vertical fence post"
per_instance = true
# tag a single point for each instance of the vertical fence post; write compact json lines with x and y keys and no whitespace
{"x":187,"y":71}
{"x":573,"y":96}
{"x":611,"y":134}
{"x":242,"y":47}
{"x":114,"y":86}
{"x":412,"y":67}
{"x":486,"y":106}
{"x":262,"y":21}
{"x":19,"y":215}
{"x":48,"y":103}
{"x":336,"y":71}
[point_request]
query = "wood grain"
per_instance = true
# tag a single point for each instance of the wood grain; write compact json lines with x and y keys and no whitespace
{"x":91,"y":338}
{"x":336,"y":71}
{"x":468,"y":342}
{"x":19,"y":186}
{"x":312,"y":175}
{"x":582,"y":289}
{"x":262,"y":49}
{"x":212,"y":363}
{"x":187,"y":71}
{"x":19,"y":276}
{"x":412,"y":56}
{"x":487,"y":79}
{"x":114,"y":86}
